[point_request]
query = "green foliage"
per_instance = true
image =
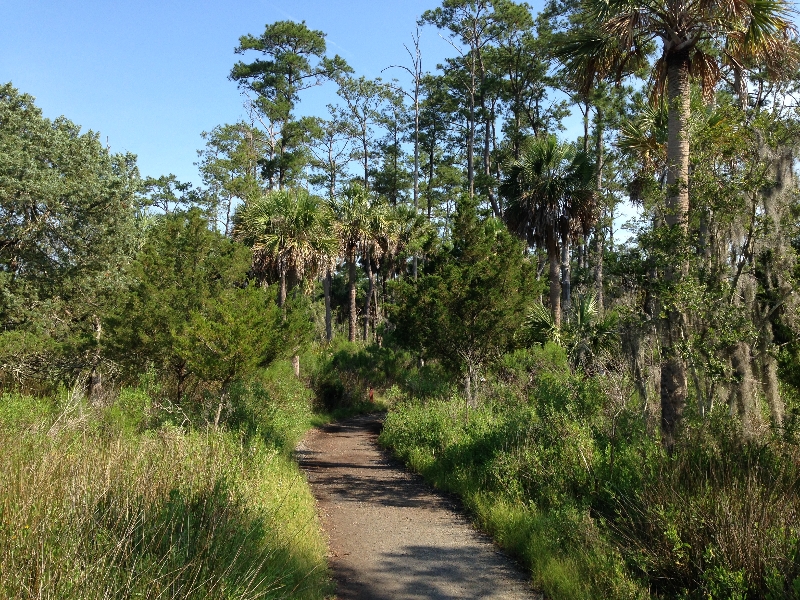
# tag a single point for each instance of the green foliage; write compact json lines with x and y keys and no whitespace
{"x":295,"y":60}
{"x":290,"y":234}
{"x":348,"y":371}
{"x":465,"y":310}
{"x":559,"y":468}
{"x":527,"y":472}
{"x":589,"y":340}
{"x":66,"y":231}
{"x":189,"y":313}
{"x":549,"y":183}
{"x":231,"y":335}
{"x":229,"y":165}
{"x":127,"y":511}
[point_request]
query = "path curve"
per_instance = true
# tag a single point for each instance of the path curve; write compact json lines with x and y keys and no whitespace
{"x":390,"y":535}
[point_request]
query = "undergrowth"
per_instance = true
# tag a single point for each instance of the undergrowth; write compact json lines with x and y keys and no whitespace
{"x":135,"y":501}
{"x":561,"y":470}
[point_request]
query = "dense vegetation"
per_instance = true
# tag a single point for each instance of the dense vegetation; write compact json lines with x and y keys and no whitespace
{"x":623,"y":415}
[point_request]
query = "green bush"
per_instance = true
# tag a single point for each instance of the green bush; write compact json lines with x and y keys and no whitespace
{"x":561,"y":470}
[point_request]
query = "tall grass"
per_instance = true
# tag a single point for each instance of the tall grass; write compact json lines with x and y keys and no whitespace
{"x":95,"y":505}
{"x":561,"y":470}
{"x":490,"y":463}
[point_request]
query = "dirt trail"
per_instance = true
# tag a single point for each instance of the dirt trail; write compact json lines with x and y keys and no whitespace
{"x":390,"y":535}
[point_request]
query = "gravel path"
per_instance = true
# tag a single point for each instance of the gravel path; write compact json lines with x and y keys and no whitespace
{"x":390,"y":535}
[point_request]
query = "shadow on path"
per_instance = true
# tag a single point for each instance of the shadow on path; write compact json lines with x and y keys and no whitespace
{"x":391,"y":536}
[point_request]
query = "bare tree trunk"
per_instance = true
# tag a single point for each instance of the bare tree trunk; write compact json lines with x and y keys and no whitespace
{"x":376,"y":313}
{"x":487,"y":163}
{"x":555,"y":287}
{"x":673,"y":371}
{"x":326,"y":286}
{"x":471,"y":137}
{"x":566,"y":276}
{"x":96,"y":378}
{"x":598,"y":228}
{"x":744,"y":398}
{"x":769,"y":375}
{"x":678,"y":91}
{"x":282,"y":290}
{"x":467,"y":393}
{"x":296,"y":365}
{"x":673,"y":380}
{"x":368,"y":301}
{"x":351,"y":292}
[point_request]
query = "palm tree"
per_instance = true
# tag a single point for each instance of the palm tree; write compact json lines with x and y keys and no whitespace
{"x":291,"y":235}
{"x":699,"y":38}
{"x":550,"y":192}
{"x":588,"y":336}
{"x":357,"y":220}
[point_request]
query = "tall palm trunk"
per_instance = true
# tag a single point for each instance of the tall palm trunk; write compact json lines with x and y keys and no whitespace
{"x":326,"y":286}
{"x":351,"y":291}
{"x":555,"y":285}
{"x":678,"y":97}
{"x":368,"y":301}
{"x":673,"y":367}
{"x":598,"y":228}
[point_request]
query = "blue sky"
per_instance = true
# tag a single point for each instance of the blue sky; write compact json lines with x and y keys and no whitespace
{"x":150,"y":76}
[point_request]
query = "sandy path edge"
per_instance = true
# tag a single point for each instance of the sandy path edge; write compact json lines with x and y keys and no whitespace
{"x":391,"y":536}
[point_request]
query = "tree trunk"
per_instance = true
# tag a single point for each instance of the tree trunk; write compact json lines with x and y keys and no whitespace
{"x":282,"y":290}
{"x":181,"y":375}
{"x":366,"y":164}
{"x":487,"y":163}
{"x":96,"y":378}
{"x":673,"y":370}
{"x":744,"y":399}
{"x":368,"y":301}
{"x":471,"y":137}
{"x":467,"y":394}
{"x":673,"y":380}
{"x":678,"y":92}
{"x":296,"y":365}
{"x":555,"y":287}
{"x":351,"y":292}
{"x":598,"y":228}
{"x":326,"y":286}
{"x":769,"y":372}
{"x":416,"y":158}
{"x":566,"y":276}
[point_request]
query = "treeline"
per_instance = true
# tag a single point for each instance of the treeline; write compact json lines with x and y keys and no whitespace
{"x":449,"y":229}
{"x":703,"y":289}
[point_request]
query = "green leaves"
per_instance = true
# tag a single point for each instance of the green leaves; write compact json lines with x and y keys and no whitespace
{"x":548,"y":183}
{"x":181,"y":271}
{"x":66,"y":231}
{"x":289,"y":47}
{"x":290,"y":231}
{"x":231,"y":335}
{"x":587,"y":338}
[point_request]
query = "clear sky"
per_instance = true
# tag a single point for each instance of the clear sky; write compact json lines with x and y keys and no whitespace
{"x":151,"y":75}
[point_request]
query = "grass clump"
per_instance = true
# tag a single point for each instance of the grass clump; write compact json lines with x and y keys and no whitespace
{"x":95,"y":503}
{"x":520,"y":494}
